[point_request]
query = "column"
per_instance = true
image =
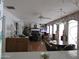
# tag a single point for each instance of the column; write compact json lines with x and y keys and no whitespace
{"x":65,"y":34}
{"x":57,"y":34}
{"x":3,"y":34}
{"x":52,"y":30}
{"x":78,"y":37}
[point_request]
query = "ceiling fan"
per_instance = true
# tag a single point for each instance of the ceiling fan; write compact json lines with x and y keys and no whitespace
{"x":42,"y":17}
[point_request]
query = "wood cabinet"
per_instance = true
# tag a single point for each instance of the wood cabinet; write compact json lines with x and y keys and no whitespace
{"x":16,"y":44}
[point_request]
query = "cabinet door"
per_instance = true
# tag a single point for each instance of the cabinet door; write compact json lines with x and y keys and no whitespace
{"x":10,"y":45}
{"x":22,"y":45}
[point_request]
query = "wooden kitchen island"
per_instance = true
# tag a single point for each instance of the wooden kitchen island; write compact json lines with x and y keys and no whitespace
{"x":37,"y":46}
{"x":23,"y":45}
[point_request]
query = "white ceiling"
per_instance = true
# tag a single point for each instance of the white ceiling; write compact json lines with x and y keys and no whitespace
{"x":29,"y":10}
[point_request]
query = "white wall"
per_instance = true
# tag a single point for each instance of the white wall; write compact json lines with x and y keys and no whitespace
{"x":20,"y":27}
{"x":10,"y":20}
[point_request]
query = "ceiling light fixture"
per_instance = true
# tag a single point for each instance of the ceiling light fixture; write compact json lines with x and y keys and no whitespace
{"x":10,"y":7}
{"x":61,"y":12}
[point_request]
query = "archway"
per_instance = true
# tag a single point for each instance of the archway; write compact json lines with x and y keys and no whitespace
{"x":72,"y":32}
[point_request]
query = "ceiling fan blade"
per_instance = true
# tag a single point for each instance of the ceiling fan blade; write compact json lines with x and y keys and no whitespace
{"x":41,"y":17}
{"x":46,"y":18}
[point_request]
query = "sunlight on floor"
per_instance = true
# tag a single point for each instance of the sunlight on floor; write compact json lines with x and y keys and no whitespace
{"x":73,"y":53}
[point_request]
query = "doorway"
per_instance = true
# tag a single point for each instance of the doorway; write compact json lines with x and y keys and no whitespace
{"x":72,"y":32}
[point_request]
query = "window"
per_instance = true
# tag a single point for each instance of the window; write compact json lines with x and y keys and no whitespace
{"x":47,"y":29}
{"x":61,"y":28}
{"x":50,"y":30}
{"x":72,"y":32}
{"x":55,"y":29}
